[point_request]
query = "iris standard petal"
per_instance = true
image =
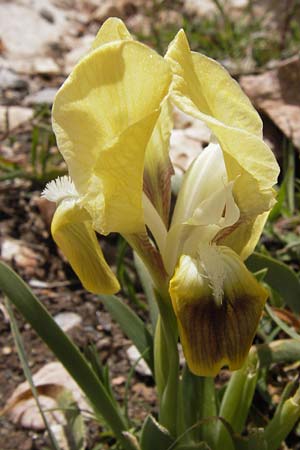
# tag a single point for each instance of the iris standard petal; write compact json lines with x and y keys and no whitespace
{"x":205,"y":206}
{"x":202,"y":82}
{"x":203,"y":89}
{"x":218,"y":304}
{"x":206,"y":175}
{"x":115,"y":87}
{"x":72,"y":231}
{"x":113,"y":29}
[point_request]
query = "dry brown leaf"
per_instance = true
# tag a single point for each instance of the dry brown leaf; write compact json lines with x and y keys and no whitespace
{"x":17,"y":251}
{"x":277,"y":94}
{"x":49,"y":381}
{"x":287,"y":317}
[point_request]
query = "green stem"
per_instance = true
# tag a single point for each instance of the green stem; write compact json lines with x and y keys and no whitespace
{"x":283,"y":421}
{"x":236,"y":402}
{"x":198,"y":403}
{"x":166,"y":361}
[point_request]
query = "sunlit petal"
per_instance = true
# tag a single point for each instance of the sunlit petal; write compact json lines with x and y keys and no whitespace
{"x":218,"y":304}
{"x":113,"y":29}
{"x":205,"y":206}
{"x":109,"y":102}
{"x":72,"y":231}
{"x":206,"y":175}
{"x":203,"y":89}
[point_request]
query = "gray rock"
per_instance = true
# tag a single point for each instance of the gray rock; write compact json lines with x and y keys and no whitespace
{"x":10,"y":80}
{"x":133,"y":356}
{"x":44,"y":96}
{"x":67,"y":320}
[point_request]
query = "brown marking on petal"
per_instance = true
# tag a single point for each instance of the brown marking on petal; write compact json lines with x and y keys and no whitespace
{"x":222,"y":234}
{"x":151,"y":257}
{"x":213,"y":335}
{"x":159,"y":190}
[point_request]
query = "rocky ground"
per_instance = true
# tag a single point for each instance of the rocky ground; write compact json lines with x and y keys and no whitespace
{"x":40,"y":42}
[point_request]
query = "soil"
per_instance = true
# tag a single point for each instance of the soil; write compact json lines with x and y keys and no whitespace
{"x":21,"y":219}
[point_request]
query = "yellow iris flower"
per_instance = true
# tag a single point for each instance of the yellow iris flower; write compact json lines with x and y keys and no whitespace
{"x":112,"y":119}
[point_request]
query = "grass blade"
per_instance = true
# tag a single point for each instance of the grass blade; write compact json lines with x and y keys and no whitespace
{"x":64,"y":349}
{"x":23,"y":358}
{"x":132,"y":326}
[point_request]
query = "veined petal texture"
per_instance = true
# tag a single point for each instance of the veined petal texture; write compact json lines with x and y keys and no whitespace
{"x":103,"y":117}
{"x":218,"y":304}
{"x":203,"y":89}
{"x":72,"y":231}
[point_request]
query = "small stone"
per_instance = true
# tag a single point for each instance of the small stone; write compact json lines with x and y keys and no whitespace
{"x":118,"y":381}
{"x":24,"y":257}
{"x":67,"y":320}
{"x":141,"y":367}
{"x":80,"y":48}
{"x":47,"y":15}
{"x":13,"y":116}
{"x":44,"y":96}
{"x":6,"y":350}
{"x":45,"y":65}
{"x":10,"y":80}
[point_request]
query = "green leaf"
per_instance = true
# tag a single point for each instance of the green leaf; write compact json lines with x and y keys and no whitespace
{"x":74,"y":429}
{"x":24,"y":361}
{"x":147,"y":284}
{"x":131,"y":325}
{"x":279,"y":276}
{"x":64,"y":349}
{"x":255,"y":441}
{"x":236,"y":402}
{"x":198,"y":446}
{"x":155,"y":436}
{"x":288,"y":330}
{"x":198,"y":402}
{"x":283,"y":421}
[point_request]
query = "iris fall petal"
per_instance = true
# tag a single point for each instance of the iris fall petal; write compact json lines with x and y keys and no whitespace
{"x":72,"y":231}
{"x":218,"y":304}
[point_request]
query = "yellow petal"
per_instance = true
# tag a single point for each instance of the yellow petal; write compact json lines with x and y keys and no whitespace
{"x":114,"y":194}
{"x":243,"y":238}
{"x":72,"y":231}
{"x":203,"y":89}
{"x":206,"y":175}
{"x":113,"y":29}
{"x":203,"y":83}
{"x":158,"y":167}
{"x":205,"y":205}
{"x":218,"y":304}
{"x":112,"y":94}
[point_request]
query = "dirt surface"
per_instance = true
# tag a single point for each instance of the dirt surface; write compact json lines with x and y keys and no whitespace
{"x":21,"y":220}
{"x":33,"y":64}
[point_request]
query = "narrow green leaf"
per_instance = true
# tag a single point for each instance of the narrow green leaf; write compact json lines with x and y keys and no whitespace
{"x":154,"y":436}
{"x":24,"y":361}
{"x":198,"y":446}
{"x":288,"y":330}
{"x":131,"y":325}
{"x":279,"y":276}
{"x":64,"y":349}
{"x":74,"y":429}
{"x":255,"y":441}
{"x":283,"y":421}
{"x":148,"y":288}
{"x":279,"y":351}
